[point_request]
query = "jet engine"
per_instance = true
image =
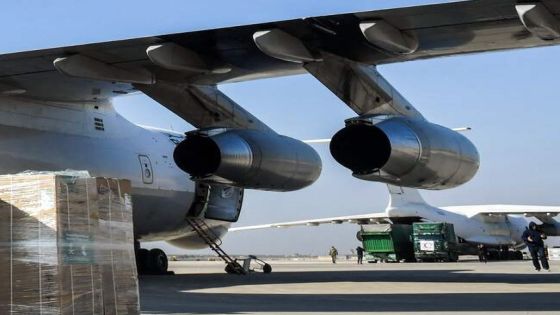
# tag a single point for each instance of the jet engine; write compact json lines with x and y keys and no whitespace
{"x":406,"y":152}
{"x":248,"y":159}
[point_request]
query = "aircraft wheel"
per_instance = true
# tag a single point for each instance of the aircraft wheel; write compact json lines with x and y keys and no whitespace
{"x":157,"y":261}
{"x":142,"y":256}
{"x":493,"y":255}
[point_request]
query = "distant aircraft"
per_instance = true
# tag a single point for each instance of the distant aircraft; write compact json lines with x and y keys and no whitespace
{"x":56,"y":111}
{"x":492,"y":225}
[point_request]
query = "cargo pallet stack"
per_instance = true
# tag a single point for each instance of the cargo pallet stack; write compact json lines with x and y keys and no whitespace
{"x":66,"y":245}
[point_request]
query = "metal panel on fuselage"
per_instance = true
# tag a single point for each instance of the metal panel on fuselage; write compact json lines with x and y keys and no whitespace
{"x":497,"y":230}
{"x":43,"y":136}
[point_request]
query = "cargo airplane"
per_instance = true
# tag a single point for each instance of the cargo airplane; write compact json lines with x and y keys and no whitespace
{"x":498,"y":226}
{"x":56,"y":111}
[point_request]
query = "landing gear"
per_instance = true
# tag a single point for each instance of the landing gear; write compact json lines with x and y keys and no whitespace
{"x":157,"y":262}
{"x":142,"y":255}
{"x":504,"y":253}
{"x":151,"y":262}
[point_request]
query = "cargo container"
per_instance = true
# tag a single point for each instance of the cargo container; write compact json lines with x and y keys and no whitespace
{"x":387,"y":242}
{"x":434,"y":242}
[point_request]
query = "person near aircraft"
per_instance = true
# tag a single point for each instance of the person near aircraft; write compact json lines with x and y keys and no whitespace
{"x":534,"y":240}
{"x":482,"y":253}
{"x":333,"y":253}
{"x":360,"y":253}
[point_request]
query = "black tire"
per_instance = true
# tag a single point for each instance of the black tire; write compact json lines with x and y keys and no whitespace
{"x":142,"y":256}
{"x":230,"y":268}
{"x":516,"y":255}
{"x":157,"y":262}
{"x":493,"y":255}
{"x":267,"y":268}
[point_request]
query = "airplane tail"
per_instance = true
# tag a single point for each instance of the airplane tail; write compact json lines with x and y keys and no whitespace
{"x":404,"y":202}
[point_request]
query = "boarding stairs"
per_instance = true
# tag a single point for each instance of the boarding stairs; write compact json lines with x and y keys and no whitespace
{"x":214,"y":242}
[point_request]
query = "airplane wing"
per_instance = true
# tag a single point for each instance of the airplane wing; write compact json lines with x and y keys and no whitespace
{"x":357,"y":219}
{"x":181,"y":70}
{"x":543,"y":213}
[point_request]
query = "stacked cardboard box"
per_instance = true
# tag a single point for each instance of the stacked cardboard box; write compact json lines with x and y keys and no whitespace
{"x":66,"y":245}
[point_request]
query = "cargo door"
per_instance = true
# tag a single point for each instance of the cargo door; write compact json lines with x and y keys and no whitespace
{"x":146,"y":168}
{"x":224,"y":203}
{"x":217,"y":202}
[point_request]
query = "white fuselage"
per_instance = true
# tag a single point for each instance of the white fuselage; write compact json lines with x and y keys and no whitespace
{"x":51,"y":136}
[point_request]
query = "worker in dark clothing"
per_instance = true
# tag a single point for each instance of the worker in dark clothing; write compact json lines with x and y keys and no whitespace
{"x":482,"y":253}
{"x":333,"y":253}
{"x":360,"y":252}
{"x":534,"y":240}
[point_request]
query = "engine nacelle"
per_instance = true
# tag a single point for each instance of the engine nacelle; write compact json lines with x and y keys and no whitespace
{"x":248,"y":158}
{"x":405,"y":152}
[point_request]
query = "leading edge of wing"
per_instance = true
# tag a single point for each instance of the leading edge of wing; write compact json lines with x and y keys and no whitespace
{"x":101,"y":71}
{"x":150,"y":38}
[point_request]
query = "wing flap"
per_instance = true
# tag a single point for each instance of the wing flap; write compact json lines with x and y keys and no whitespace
{"x":543,"y":213}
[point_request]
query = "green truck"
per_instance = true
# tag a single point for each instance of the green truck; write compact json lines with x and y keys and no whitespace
{"x":387,"y":242}
{"x":434,"y":242}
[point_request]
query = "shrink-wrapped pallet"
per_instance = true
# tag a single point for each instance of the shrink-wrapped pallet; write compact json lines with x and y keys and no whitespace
{"x":115,"y":229}
{"x":65,"y":243}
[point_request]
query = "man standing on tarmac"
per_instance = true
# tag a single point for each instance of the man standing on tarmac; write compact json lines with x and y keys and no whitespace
{"x":534,"y":240}
{"x":360,"y":252}
{"x":333,"y":252}
{"x":482,"y":253}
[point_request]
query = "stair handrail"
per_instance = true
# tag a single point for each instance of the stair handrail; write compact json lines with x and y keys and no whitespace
{"x":203,"y":226}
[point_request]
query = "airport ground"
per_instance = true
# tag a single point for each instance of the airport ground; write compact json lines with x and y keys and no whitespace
{"x":319,"y":287}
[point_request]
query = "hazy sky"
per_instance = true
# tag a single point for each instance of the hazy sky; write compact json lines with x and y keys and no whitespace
{"x":510,"y":99}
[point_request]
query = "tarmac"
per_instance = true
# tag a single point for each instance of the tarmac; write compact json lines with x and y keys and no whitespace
{"x":315,"y":287}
